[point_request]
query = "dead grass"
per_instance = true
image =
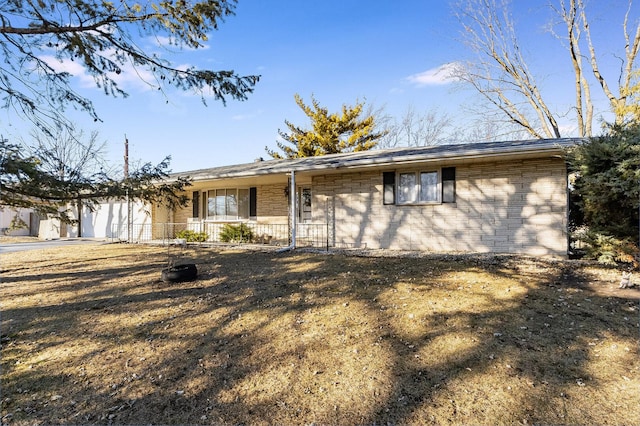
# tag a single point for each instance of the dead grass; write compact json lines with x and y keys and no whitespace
{"x":11,"y":239}
{"x":91,"y":335}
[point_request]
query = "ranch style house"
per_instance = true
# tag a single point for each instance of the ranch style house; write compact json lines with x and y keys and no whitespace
{"x":501,"y":197}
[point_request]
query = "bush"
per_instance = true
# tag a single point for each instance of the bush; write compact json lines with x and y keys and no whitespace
{"x":192,"y":236}
{"x":609,"y":250}
{"x":240,"y":233}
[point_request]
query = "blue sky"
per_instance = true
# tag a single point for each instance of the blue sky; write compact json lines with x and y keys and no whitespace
{"x":340,"y":51}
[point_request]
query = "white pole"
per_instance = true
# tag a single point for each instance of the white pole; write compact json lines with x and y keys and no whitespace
{"x":294,"y":199}
{"x":126,"y":178}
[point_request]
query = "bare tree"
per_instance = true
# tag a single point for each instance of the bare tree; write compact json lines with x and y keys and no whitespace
{"x":414,"y":128}
{"x":70,"y":156}
{"x":501,"y":74}
{"x":487,"y":130}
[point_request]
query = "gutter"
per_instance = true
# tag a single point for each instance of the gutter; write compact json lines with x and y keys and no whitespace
{"x":294,"y":220}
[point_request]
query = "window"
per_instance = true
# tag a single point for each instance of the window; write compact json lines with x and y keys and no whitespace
{"x":230,"y":203}
{"x":428,"y":187}
{"x":421,"y":187}
{"x":304,"y":204}
{"x":407,"y":189}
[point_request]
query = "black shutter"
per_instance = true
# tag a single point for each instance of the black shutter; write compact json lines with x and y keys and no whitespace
{"x":389,"y":188}
{"x":195,"y":201}
{"x":253,"y":201}
{"x":448,"y":184}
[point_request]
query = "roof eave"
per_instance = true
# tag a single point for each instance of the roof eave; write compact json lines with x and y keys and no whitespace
{"x":336,"y":163}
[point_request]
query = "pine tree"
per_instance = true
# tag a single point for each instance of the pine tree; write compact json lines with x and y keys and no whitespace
{"x":607,"y":189}
{"x":26,"y":183}
{"x":329,"y":134}
{"x":103,"y":38}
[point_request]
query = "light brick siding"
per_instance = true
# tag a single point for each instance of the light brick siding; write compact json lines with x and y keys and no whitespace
{"x":182,"y":214}
{"x":513,"y":207}
{"x":272,"y":204}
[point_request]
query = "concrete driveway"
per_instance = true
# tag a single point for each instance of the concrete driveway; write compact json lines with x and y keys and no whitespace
{"x":44,"y":244}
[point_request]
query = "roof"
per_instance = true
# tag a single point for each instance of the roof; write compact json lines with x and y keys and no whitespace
{"x":388,"y":157}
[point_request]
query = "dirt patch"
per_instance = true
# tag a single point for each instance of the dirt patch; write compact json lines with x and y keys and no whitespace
{"x":91,"y":335}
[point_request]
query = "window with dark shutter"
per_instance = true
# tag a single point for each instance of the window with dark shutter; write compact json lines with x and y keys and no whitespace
{"x":389,"y":188}
{"x":448,"y":184}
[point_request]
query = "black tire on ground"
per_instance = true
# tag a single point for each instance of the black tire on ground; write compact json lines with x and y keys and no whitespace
{"x":180,"y":273}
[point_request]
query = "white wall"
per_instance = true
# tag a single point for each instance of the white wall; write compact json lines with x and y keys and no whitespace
{"x":109,"y":219}
{"x":6,"y":216}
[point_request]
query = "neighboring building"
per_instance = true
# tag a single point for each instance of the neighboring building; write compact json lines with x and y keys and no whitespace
{"x":16,"y":221}
{"x":110,"y":219}
{"x":508,"y":197}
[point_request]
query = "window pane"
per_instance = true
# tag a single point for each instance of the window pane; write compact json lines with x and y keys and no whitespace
{"x":407,"y":190}
{"x":232,"y":204}
{"x":211,"y":204}
{"x":429,"y":186}
{"x":305,"y":204}
{"x":306,"y":199}
{"x":220,"y":207}
{"x":243,"y":203}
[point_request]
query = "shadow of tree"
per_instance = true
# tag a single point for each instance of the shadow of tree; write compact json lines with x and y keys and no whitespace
{"x":296,"y":338}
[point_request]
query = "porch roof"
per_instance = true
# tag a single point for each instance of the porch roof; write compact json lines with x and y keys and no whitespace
{"x":537,"y":148}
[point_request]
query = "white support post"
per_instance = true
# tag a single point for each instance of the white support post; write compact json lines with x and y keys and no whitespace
{"x":294,"y":199}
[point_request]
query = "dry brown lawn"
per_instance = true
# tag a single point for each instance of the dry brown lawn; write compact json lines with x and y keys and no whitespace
{"x":91,"y":335}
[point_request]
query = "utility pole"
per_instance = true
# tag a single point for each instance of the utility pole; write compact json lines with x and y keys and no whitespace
{"x":126,"y":157}
{"x":126,"y":182}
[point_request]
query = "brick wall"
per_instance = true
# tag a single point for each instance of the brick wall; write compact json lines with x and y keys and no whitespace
{"x":272,"y":204}
{"x":514,"y":207}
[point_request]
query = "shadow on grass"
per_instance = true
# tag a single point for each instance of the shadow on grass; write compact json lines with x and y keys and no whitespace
{"x":298,"y":338}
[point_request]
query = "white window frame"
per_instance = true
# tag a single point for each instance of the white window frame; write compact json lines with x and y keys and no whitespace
{"x":411,"y":195}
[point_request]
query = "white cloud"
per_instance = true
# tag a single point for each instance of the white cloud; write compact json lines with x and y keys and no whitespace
{"x":74,"y":68}
{"x":129,"y":78}
{"x":444,"y":74}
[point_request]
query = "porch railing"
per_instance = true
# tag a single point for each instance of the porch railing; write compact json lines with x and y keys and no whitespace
{"x":307,"y":234}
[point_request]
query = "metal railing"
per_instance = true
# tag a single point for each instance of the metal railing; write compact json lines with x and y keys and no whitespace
{"x":307,"y":234}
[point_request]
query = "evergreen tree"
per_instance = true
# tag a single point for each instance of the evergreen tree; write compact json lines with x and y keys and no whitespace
{"x":607,"y":190}
{"x":329,"y":134}
{"x":36,"y":37}
{"x":25,"y":182}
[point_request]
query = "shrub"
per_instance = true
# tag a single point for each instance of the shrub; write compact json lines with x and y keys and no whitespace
{"x":236,"y":233}
{"x":609,"y":250}
{"x":192,"y":236}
